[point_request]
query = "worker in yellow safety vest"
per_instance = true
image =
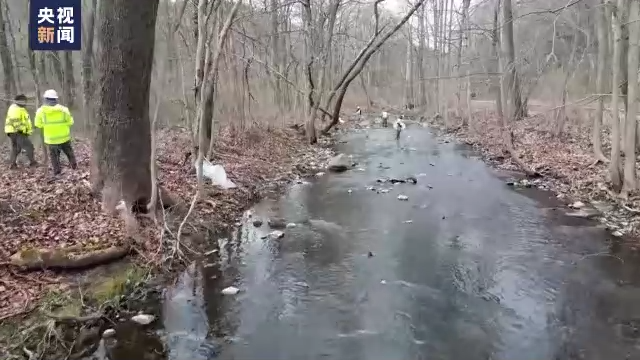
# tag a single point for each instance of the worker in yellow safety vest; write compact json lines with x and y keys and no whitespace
{"x":55,"y":121}
{"x":18,"y":127}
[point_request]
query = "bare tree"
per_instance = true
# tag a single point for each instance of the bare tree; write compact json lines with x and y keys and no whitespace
{"x":615,"y":167}
{"x":632,"y":94}
{"x":377,"y":40}
{"x":87,"y":61}
{"x":69,"y":84}
{"x":5,"y":55}
{"x":603,"y":53}
{"x":421,"y":57}
{"x":462,"y":33}
{"x":513,"y":107}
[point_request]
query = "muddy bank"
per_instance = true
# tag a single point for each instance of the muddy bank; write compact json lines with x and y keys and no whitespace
{"x":566,"y":163}
{"x":259,"y":162}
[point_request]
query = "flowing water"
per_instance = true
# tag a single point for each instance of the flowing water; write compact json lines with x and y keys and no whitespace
{"x":466,"y":268}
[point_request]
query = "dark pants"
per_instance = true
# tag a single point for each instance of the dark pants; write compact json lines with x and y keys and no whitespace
{"x":19,"y":142}
{"x":385,"y":123}
{"x":398,"y":131}
{"x":54,"y":155}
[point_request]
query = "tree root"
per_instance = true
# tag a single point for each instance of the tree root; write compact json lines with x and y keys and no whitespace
{"x":67,"y":258}
{"x":510,"y":149}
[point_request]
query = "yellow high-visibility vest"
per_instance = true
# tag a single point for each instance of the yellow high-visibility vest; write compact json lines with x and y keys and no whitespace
{"x":55,"y":122}
{"x":17,"y":120}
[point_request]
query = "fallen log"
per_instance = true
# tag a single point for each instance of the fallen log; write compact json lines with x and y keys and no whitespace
{"x":74,"y":257}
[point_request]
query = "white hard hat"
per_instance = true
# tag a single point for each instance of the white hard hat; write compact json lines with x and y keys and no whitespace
{"x":50,"y":94}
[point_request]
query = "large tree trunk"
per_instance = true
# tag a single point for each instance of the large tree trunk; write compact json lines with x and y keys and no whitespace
{"x":615,"y":171}
{"x":603,"y":53}
{"x":5,"y":55}
{"x":632,"y":93}
{"x":509,"y":86}
{"x":125,"y":60}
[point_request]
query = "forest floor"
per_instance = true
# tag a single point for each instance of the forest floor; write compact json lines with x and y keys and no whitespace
{"x":566,"y":163}
{"x":36,"y":214}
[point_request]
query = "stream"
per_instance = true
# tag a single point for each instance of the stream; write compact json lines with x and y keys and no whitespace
{"x":465,"y":268}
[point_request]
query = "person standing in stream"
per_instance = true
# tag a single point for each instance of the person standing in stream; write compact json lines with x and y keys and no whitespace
{"x":55,"y":120}
{"x":399,"y":126}
{"x":18,"y":127}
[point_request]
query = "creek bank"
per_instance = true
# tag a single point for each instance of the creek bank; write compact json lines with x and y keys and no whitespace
{"x":261,"y":162}
{"x":567,"y":165}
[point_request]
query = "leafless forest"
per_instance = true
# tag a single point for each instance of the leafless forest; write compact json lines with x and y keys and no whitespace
{"x":276,"y":62}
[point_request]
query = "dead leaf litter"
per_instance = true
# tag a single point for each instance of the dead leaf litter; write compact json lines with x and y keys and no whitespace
{"x":38,"y":214}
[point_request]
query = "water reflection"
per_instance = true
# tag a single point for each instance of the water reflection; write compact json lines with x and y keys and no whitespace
{"x":184,"y":314}
{"x":135,"y":344}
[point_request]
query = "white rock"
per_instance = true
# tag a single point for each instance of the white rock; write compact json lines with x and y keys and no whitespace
{"x":320,"y":174}
{"x":403,"y":197}
{"x":617,"y":234}
{"x":143,"y":319}
{"x":291,"y":225}
{"x":276,"y":234}
{"x":109,"y":333}
{"x":383,"y":282}
{"x":384,"y":191}
{"x":231,"y":290}
{"x":408,"y":221}
{"x":339,"y":163}
{"x":349,"y":191}
{"x":577,"y":205}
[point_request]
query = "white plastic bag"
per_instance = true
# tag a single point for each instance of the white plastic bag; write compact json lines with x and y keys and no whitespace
{"x":216,"y":174}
